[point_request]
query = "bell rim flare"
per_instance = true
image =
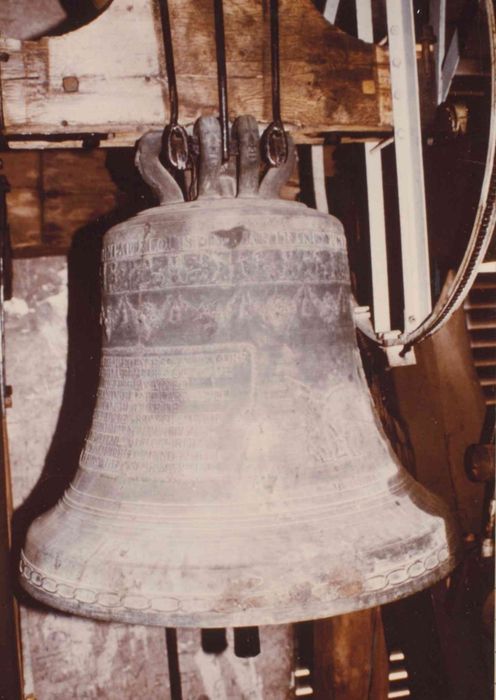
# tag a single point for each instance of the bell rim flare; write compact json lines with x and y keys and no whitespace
{"x":268,"y":616}
{"x":139,"y":610}
{"x":422,"y":565}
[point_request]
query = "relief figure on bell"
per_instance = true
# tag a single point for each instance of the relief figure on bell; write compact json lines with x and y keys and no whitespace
{"x":209,"y":134}
{"x":246,"y":130}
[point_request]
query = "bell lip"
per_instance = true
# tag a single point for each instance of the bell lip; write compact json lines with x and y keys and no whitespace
{"x":258,"y":617}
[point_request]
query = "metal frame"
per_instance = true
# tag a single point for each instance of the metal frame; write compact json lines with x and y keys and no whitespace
{"x":331,"y":10}
{"x":375,"y":200}
{"x":420,"y":321}
{"x":437,"y":17}
{"x":318,"y":177}
{"x":408,"y":147}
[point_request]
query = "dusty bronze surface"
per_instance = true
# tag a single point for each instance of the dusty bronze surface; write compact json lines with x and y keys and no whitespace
{"x":235,"y":472}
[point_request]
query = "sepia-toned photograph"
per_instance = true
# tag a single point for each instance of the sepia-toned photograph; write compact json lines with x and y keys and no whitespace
{"x":248,"y":349}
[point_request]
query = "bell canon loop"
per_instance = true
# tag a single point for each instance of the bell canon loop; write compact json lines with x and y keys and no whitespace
{"x":235,"y":472}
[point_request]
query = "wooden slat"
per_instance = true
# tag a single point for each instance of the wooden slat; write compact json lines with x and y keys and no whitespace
{"x":109,"y":76}
{"x":485,"y":362}
{"x":481,"y":324}
{"x":482,"y":343}
{"x":475,"y":306}
{"x":481,"y":283}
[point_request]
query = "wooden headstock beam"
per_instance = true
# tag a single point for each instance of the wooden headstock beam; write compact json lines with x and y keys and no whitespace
{"x":109,"y":78}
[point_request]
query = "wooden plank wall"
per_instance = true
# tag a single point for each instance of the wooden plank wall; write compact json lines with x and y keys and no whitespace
{"x":53,"y":195}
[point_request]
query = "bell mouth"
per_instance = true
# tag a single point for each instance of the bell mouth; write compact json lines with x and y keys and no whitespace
{"x":179,"y":577}
{"x":110,"y":607}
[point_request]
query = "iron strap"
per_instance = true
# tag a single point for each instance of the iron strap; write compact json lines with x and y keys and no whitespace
{"x":175,"y":149}
{"x":220,"y":50}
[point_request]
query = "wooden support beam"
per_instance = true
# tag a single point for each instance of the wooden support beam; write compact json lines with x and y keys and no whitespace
{"x":109,"y":76}
{"x":441,"y":401}
{"x":350,"y":657}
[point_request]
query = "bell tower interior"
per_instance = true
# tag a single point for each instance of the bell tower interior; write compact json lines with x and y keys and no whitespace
{"x":248,"y":349}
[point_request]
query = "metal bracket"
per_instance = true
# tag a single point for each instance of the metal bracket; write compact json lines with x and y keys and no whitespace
{"x":395,"y":350}
{"x":389,"y":341}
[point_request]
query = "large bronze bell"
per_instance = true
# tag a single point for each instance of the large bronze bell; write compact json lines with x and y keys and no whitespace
{"x":235,"y":472}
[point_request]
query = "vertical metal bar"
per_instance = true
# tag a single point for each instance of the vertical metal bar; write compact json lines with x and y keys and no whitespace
{"x":437,"y":18}
{"x":409,"y":163}
{"x":222,"y":77}
{"x":174,"y":137}
{"x":377,"y":231}
{"x":169,"y":59}
{"x":375,"y":200}
{"x":450,"y":64}
{"x":274,"y":138}
{"x":274,"y":52}
{"x":364,"y":20}
{"x":318,"y":177}
{"x":331,"y":10}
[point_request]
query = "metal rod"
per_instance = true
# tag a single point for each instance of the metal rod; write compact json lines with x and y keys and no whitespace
{"x":220,"y":49}
{"x":319,"y":180}
{"x":274,"y":53}
{"x":331,"y":10}
{"x":274,"y":138}
{"x":437,"y":18}
{"x":375,"y":201}
{"x":169,"y":60}
{"x":174,"y":140}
